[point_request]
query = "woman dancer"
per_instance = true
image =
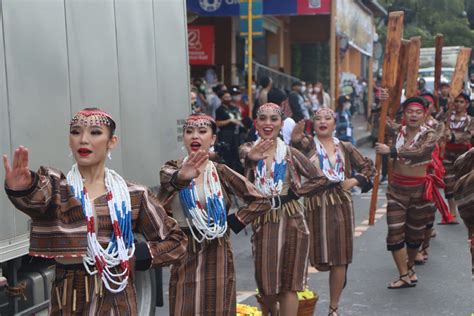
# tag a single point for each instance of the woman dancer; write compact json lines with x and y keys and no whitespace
{"x":197,"y":192}
{"x":330,"y":211}
{"x":280,"y":238}
{"x":87,"y":220}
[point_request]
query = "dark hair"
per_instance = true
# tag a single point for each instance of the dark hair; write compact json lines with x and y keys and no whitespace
{"x":221,"y":93}
{"x":265,"y":81}
{"x":217,"y":88}
{"x":465,"y":96}
{"x":276,"y":96}
{"x":111,"y":127}
{"x":420,"y":100}
{"x":296,"y":84}
{"x":213,"y":123}
{"x":444,"y":84}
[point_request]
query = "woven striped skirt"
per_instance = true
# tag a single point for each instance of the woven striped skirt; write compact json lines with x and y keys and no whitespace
{"x":204,"y":282}
{"x":330,"y":218}
{"x":75,"y":292}
{"x":450,"y":157}
{"x":280,"y":244}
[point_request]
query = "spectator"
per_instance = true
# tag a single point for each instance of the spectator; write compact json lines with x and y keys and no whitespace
{"x":421,"y":86}
{"x":200,"y":90}
{"x":444,"y":96}
{"x":344,"y":128}
{"x":213,"y":100}
{"x":266,"y":84}
{"x":306,"y":99}
{"x":296,"y":102}
{"x":228,"y":120}
{"x":279,"y":97}
{"x":319,"y":97}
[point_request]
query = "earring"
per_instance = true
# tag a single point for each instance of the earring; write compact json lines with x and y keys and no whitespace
{"x":109,"y":155}
{"x":211,"y":149}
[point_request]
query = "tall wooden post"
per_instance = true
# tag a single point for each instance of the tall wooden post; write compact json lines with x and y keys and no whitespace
{"x":389,"y":75}
{"x":438,"y":65}
{"x":250,"y":57}
{"x":460,"y":71}
{"x":396,"y":92}
{"x":333,"y":51}
{"x":413,"y":66}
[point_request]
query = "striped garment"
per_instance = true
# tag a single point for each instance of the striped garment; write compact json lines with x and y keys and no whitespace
{"x":407,"y":215}
{"x":58,"y":230}
{"x":280,"y":240}
{"x":329,"y":210}
{"x":462,"y":134}
{"x":204,"y":282}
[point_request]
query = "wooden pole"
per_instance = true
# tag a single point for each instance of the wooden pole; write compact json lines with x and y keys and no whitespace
{"x":460,"y":71}
{"x":390,"y":67}
{"x":438,"y":65}
{"x":370,"y":86}
{"x":332,"y":55}
{"x":249,"y":57}
{"x":337,"y":63}
{"x":396,"y":92}
{"x":413,"y":66}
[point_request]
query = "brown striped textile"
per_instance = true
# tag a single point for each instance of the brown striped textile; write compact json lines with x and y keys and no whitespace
{"x":329,"y":209}
{"x":71,"y":296}
{"x":450,"y":177}
{"x":280,"y":248}
{"x":204,"y":282}
{"x":407,"y":215}
{"x":59,"y":229}
{"x":464,"y":189}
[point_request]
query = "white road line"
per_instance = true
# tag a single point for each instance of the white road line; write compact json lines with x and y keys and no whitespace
{"x":242,"y":296}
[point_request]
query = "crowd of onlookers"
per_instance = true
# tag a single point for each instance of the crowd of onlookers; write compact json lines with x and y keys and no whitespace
{"x":229,"y":106}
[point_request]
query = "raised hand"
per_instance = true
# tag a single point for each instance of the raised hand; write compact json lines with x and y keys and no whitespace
{"x":190,"y":169}
{"x":259,"y":151}
{"x":18,"y":177}
{"x":298,"y":132}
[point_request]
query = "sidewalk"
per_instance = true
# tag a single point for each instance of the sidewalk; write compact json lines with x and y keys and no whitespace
{"x":361,"y":131}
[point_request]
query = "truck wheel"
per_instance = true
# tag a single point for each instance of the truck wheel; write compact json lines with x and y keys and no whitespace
{"x":145,"y":286}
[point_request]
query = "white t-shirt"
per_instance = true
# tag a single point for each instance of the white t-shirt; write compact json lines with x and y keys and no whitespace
{"x":287,"y":129}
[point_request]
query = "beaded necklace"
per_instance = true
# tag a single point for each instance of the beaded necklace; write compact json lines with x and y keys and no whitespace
{"x":271,"y":185}
{"x":336,"y":173}
{"x":121,"y":246}
{"x":210,"y":222}
{"x":403,"y":133}
{"x":457,"y":124}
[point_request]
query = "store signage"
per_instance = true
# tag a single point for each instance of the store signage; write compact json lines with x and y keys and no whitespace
{"x":201,"y":44}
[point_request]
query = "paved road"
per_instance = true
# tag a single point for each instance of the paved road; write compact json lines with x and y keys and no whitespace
{"x":445,"y":286}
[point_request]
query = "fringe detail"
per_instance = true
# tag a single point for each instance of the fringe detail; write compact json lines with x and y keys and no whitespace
{"x":330,"y":199}
{"x":274,"y":216}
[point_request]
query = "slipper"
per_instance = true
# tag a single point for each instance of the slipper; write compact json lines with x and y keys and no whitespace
{"x":404,"y":284}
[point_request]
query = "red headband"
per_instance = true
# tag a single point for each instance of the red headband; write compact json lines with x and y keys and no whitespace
{"x":429,"y":98}
{"x":198,"y":121}
{"x":415,"y":104}
{"x":324,"y":109}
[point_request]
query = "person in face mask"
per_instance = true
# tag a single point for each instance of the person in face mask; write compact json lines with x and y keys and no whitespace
{"x":319,"y":97}
{"x":344,"y":128}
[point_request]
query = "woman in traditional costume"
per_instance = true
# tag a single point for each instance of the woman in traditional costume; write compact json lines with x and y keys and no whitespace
{"x":86,"y":221}
{"x":196,"y":191}
{"x":280,"y":238}
{"x":329,"y":211}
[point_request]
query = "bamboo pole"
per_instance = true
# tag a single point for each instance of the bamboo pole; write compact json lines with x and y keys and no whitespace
{"x":390,"y":67}
{"x":413,"y":66}
{"x":438,"y":65}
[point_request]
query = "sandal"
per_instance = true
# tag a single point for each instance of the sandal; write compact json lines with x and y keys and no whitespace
{"x":332,"y":311}
{"x":405,"y":284}
{"x":412,"y":275}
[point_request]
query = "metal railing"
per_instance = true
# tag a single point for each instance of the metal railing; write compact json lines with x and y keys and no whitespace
{"x":280,"y":80}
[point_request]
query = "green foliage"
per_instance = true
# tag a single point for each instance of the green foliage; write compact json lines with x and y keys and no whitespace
{"x":452,"y":18}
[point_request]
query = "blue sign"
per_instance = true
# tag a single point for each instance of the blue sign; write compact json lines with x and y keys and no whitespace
{"x":257,"y":18}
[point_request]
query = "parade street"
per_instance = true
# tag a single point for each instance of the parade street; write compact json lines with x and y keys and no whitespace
{"x":444,"y":288}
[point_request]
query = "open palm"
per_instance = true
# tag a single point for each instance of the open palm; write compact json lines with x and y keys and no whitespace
{"x":190,"y":168}
{"x":18,"y":176}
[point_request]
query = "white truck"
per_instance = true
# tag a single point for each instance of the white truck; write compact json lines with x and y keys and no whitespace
{"x":128,"y":57}
{"x":427,"y":64}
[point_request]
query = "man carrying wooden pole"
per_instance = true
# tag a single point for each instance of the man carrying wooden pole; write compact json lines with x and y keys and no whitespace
{"x":390,"y":67}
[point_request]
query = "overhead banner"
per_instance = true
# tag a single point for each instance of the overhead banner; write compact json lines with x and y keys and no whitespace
{"x":270,"y":7}
{"x":201,"y":44}
{"x":257,"y":18}
{"x":355,"y":23}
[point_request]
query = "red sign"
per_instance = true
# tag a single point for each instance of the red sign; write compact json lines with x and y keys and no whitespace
{"x":201,"y":44}
{"x":313,"y":7}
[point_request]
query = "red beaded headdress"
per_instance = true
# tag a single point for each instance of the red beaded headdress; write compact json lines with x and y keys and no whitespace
{"x":198,"y":121}
{"x":90,"y":117}
{"x":275,"y":108}
{"x":321,"y":110}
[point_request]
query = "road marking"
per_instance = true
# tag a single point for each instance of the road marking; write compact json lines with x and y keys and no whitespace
{"x":361,"y":228}
{"x":312,"y":270}
{"x":242,"y":296}
{"x":381,"y":211}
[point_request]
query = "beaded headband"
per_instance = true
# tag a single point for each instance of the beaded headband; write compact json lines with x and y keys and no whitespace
{"x":320,"y":111}
{"x":92,"y":118}
{"x":196,"y":121}
{"x":272,"y":107}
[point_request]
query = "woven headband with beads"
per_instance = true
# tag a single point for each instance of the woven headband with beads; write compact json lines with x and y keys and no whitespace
{"x":320,"y":111}
{"x":416,"y":105}
{"x":197,"y":121}
{"x":274,"y":108}
{"x":91,"y":118}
